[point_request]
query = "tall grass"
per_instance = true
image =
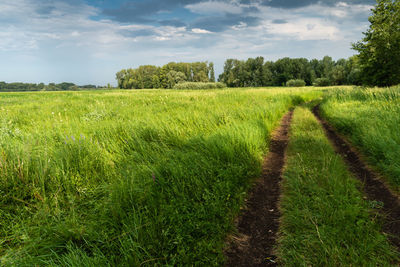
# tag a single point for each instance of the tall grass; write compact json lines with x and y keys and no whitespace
{"x":199,"y":85}
{"x":129,"y":178}
{"x":369,"y":118}
{"x":325,"y":220}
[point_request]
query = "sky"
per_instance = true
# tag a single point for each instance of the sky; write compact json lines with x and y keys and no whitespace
{"x":88,"y":41}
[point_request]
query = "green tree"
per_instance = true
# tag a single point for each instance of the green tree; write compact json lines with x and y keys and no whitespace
{"x":211,"y":71}
{"x":379,"y":50}
{"x":174,"y":77}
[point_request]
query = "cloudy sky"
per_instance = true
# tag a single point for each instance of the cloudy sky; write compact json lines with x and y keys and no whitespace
{"x":88,"y":41}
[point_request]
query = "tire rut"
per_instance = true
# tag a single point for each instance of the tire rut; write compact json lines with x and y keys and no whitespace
{"x":258,"y":224}
{"x":374,"y":188}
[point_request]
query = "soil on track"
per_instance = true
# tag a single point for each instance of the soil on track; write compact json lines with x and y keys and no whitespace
{"x":259,"y":222}
{"x":373,"y":187}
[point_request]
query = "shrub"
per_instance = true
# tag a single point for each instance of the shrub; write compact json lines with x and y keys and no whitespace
{"x":199,"y":85}
{"x":322,"y":82}
{"x":296,"y":83}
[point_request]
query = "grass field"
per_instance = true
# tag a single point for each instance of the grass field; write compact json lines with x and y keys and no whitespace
{"x":369,"y":118}
{"x":130,"y":178}
{"x":325,"y":219}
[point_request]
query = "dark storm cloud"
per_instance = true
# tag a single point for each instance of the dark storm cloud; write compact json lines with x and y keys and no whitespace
{"x":138,"y":11}
{"x":221,"y":23}
{"x":146,"y":12}
{"x":289,"y":3}
{"x":172,"y":22}
{"x":250,"y":9}
{"x":45,"y":9}
{"x":303,"y":3}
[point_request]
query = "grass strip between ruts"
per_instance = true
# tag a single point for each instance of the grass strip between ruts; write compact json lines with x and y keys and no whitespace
{"x":325,"y":219}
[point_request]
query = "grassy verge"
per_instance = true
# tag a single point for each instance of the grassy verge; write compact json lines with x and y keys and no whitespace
{"x":326,"y":221}
{"x":127,"y":178}
{"x":369,"y":118}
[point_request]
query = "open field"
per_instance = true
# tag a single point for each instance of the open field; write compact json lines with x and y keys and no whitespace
{"x":130,"y":178}
{"x":369,"y":118}
{"x":161,"y":177}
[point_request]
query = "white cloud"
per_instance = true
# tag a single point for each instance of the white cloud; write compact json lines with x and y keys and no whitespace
{"x":305,"y":29}
{"x":201,"y":31}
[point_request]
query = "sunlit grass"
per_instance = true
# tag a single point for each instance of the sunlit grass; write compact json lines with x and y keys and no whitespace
{"x":150,"y":177}
{"x":369,"y":118}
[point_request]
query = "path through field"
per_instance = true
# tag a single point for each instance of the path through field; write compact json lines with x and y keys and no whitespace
{"x":259,"y":223}
{"x":374,"y":188}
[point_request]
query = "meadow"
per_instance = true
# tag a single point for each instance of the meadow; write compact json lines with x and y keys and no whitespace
{"x":130,"y":178}
{"x":369,"y":119}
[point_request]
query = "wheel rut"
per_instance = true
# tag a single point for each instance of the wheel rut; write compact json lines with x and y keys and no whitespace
{"x":374,"y":188}
{"x":258,"y":224}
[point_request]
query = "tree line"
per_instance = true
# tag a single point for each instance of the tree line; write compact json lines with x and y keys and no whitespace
{"x":254,"y":72}
{"x":167,"y":76}
{"x":65,"y":86}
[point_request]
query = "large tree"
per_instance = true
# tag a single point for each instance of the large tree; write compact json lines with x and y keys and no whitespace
{"x":380,"y":48}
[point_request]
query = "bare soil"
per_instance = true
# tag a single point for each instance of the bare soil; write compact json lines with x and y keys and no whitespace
{"x":374,"y":188}
{"x":258,"y":223}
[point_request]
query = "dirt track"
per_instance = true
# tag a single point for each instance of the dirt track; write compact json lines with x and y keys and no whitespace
{"x":259,"y":222}
{"x":373,"y":187}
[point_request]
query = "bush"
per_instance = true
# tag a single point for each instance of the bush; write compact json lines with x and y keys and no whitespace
{"x":322,"y":82}
{"x":199,"y":85}
{"x":296,"y":83}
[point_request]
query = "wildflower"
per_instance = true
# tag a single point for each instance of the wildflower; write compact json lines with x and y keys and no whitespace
{"x":73,"y":138}
{"x":154,"y":178}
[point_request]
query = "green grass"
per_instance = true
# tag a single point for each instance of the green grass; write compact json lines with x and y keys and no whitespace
{"x":370,"y":119}
{"x":129,"y":178}
{"x":325,"y":220}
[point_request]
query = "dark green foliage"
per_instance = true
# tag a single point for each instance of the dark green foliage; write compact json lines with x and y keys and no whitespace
{"x":199,"y":85}
{"x":296,"y":83}
{"x":166,"y":76}
{"x":380,"y":48}
{"x":322,"y":82}
{"x":255,"y":73}
{"x":286,"y":69}
{"x":211,"y":71}
{"x":21,"y":86}
{"x":250,"y":73}
{"x":25,"y":87}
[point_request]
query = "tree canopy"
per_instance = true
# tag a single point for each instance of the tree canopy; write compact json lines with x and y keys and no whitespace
{"x":167,"y":76}
{"x":23,"y":87}
{"x":254,"y":72}
{"x":379,"y":50}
